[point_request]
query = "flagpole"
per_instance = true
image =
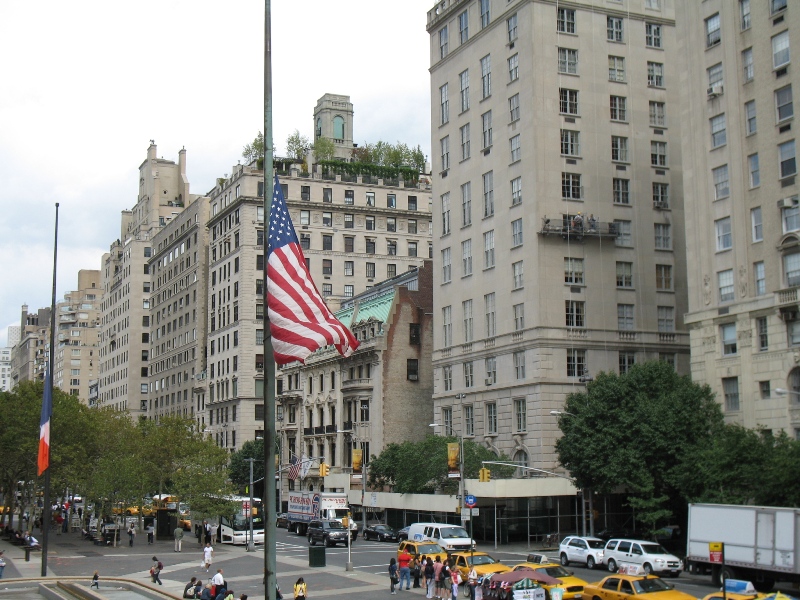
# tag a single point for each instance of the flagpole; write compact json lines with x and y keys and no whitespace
{"x":270,"y":529}
{"x":49,"y":383}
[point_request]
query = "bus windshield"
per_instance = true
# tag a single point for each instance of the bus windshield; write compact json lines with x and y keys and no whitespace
{"x":240,"y":522}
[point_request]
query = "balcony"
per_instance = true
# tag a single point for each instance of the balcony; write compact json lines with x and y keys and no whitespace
{"x":330,"y":428}
{"x":347,"y":426}
{"x":308,"y":431}
{"x":576,"y":228}
{"x":626,"y":336}
{"x":319,"y":430}
{"x":353,"y":384}
{"x":788,"y":296}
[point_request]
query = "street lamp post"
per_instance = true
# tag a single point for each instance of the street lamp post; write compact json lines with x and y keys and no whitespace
{"x":461,"y":491}
{"x":356,"y":439}
{"x":250,"y":542}
{"x":584,"y":491}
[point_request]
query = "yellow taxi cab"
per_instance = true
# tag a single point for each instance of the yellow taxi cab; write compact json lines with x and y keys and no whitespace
{"x":121,"y":509}
{"x":623,"y":586}
{"x":572,"y":586}
{"x":736,"y":589}
{"x":483,"y":563}
{"x":420,"y":548}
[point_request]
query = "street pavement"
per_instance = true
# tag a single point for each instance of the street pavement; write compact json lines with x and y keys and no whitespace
{"x":71,"y":556}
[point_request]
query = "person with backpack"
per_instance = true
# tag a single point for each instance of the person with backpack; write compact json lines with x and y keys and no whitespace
{"x":300,"y":589}
{"x":155,"y":571}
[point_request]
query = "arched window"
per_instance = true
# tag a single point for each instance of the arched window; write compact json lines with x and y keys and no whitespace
{"x":338,"y":128}
{"x":521,"y":459}
{"x":794,"y":385}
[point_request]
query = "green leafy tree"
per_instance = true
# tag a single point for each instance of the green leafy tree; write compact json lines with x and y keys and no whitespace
{"x":254,"y":150}
{"x":297,"y":145}
{"x":638,"y":431}
{"x":323,"y":149}
{"x":421,"y":467}
{"x":239,"y":469}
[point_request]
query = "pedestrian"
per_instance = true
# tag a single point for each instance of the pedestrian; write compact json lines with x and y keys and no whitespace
{"x":206,"y":593}
{"x":178,"y":533}
{"x":131,"y":535}
{"x":151,"y":530}
{"x":198,"y":588}
{"x":437,"y":573}
{"x":430,"y":578}
{"x":300,"y":590}
{"x":95,"y":581}
{"x":208,"y":555}
{"x":198,"y":533}
{"x":155,"y":571}
{"x":472,"y":582}
{"x":207,"y":530}
{"x":218,"y":583}
{"x":444,"y":580}
{"x":455,"y":579}
{"x":393,"y":574}
{"x":2,"y":564}
{"x":416,"y":570}
{"x":188,"y":590}
{"x":404,"y":560}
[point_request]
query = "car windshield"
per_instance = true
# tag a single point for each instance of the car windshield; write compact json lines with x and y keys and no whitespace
{"x":482,"y":559}
{"x":429,"y":549}
{"x":454,"y":532}
{"x":598,"y":544}
{"x":654,"y":549}
{"x":554,"y":571}
{"x":335,"y":525}
{"x":650,"y":584}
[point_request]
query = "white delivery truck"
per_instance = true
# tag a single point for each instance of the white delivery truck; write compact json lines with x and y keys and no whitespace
{"x":759,"y":543}
{"x":307,"y":506}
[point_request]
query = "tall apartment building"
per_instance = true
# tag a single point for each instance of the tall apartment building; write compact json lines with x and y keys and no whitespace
{"x":30,"y":354}
{"x":5,"y":369}
{"x":125,"y":330}
{"x":379,"y":395}
{"x":743,"y":214}
{"x":558,"y":234}
{"x":177,"y":318}
{"x":78,"y":320}
{"x":353,"y":233}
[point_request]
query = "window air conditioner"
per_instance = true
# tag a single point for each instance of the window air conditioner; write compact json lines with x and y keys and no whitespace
{"x":715,"y":90}
{"x":660,"y":204}
{"x":790,"y":202}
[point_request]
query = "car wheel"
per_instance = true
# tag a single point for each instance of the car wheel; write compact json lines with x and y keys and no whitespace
{"x":648,"y":569}
{"x":564,"y":559}
{"x":612,"y":565}
{"x":312,"y":541}
{"x":328,"y":542}
{"x":590,"y":562}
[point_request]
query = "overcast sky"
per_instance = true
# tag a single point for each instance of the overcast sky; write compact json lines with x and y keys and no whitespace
{"x":86,"y":85}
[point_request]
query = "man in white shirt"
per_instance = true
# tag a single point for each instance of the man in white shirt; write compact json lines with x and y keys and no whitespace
{"x":208,"y":555}
{"x":218,"y":579}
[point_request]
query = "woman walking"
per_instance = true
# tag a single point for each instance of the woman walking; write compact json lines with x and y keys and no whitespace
{"x":437,"y":582}
{"x":416,"y":570}
{"x":131,"y":535}
{"x":300,"y":590}
{"x":393,"y":579}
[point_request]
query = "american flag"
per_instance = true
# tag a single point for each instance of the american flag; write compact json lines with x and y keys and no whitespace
{"x":300,"y":321}
{"x":294,"y":470}
{"x":44,"y":426}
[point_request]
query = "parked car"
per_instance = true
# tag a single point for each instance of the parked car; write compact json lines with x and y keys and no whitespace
{"x":402,"y":534}
{"x":652,"y":557}
{"x":585,"y":550}
{"x":329,"y":533}
{"x":572,"y":586}
{"x":619,"y":586}
{"x":422,"y":548}
{"x":282,"y":520}
{"x":380,"y":533}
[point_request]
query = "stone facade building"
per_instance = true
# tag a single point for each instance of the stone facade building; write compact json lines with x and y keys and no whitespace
{"x":558,"y":212}
{"x":30,"y":353}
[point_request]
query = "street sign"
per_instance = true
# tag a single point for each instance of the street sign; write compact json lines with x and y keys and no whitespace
{"x":470,"y":501}
{"x":246,"y":507}
{"x":715,"y":552}
{"x":475,"y":512}
{"x":466,"y":512}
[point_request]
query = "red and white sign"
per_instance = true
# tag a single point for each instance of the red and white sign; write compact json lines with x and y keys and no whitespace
{"x":715,"y":550}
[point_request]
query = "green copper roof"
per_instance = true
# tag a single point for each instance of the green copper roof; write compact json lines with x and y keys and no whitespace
{"x":377,"y":308}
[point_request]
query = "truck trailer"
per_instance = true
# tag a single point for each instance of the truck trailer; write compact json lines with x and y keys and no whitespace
{"x":307,"y":506}
{"x":759,"y":543}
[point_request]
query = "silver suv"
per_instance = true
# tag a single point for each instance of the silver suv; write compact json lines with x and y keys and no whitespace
{"x":329,"y":533}
{"x":651,"y":556}
{"x":585,"y":550}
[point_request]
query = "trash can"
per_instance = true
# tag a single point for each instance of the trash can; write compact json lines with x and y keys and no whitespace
{"x":316,"y":556}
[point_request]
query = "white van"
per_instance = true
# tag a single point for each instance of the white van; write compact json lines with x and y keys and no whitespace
{"x":453,"y":538}
{"x":651,"y":556}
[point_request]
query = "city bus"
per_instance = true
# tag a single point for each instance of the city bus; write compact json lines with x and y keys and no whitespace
{"x":235,"y":529}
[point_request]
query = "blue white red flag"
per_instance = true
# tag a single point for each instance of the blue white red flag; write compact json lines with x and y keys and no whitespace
{"x":44,"y":426}
{"x":300,"y":321}
{"x":294,"y":470}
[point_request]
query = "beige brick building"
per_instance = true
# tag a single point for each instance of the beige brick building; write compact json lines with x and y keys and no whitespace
{"x":743,"y":214}
{"x":543,"y":111}
{"x":30,"y":352}
{"x":78,"y":329}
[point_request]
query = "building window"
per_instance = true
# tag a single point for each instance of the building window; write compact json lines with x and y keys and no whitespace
{"x":447,"y":411}
{"x":777,"y":6}
{"x":466,"y":258}
{"x":664,"y":278}
{"x":391,"y":225}
{"x":486,"y":122}
{"x":369,"y":223}
{"x":484,"y":13}
{"x":658,"y":114}
{"x":445,"y":199}
{"x":725,"y":284}
{"x":412,"y":248}
{"x":444,"y":105}
{"x":614,"y":29}
{"x":728,"y":336}
{"x":573,"y":270}
{"x":327,"y":242}
{"x":760,"y":278}
{"x":391,"y":270}
{"x":443,"y":42}
{"x":348,"y":291}
{"x":469,"y":375}
{"x":619,"y":149}
{"x":568,"y":61}
{"x":327,"y":267}
{"x":747,"y":65}
{"x":491,"y":418}
{"x":516,"y":152}
{"x":447,"y":326}
{"x":624,"y":234}
{"x":576,"y":363}
{"x":753,"y":167}
{"x":565,"y":20}
{"x":305,"y":217}
{"x":652,"y":35}
{"x":744,"y":14}
{"x":721,"y":187}
{"x":626,"y":361}
{"x":412,"y":226}
{"x":513,"y":107}
{"x":469,"y":419}
{"x":791,"y":266}
{"x":570,"y":143}
{"x":517,"y":275}
{"x":663,"y":236}
{"x":571,"y":186}
{"x":619,"y":108}
{"x":616,"y":68}
{"x":786,"y":157}
{"x":516,"y":191}
{"x":655,"y":74}
{"x":625,"y":317}
{"x":713,"y":34}
{"x":348,"y":221}
{"x":489,"y":314}
{"x":488,"y":194}
{"x":520,"y":404}
{"x":516,"y":233}
{"x":568,"y":101}
{"x":305,"y":241}
{"x":722,"y":228}
{"x":658,"y":154}
{"x":348,"y":268}
{"x":466,"y":204}
{"x":666,"y":319}
{"x":465,"y":149}
{"x":490,"y":364}
{"x":412,"y":203}
{"x":519,"y":317}
{"x":446,"y":267}
{"x":661,"y":195}
{"x":349,"y":197}
{"x":780,"y":50}
{"x":519,"y":365}
{"x":445,"y":150}
{"x":370,"y":270}
{"x":621,"y":189}
{"x":369,"y":246}
{"x":575,"y":312}
{"x":763,"y":390}
{"x":486,"y":76}
{"x":412,"y":370}
{"x":730,"y":389}
{"x":718,"y":131}
{"x":624,"y":274}
{"x":466,"y":309}
{"x":783,"y":103}
{"x":488,"y":249}
{"x":763,"y":334}
{"x":511,"y":25}
{"x":513,"y":68}
{"x":751,"y":126}
{"x":463,"y":27}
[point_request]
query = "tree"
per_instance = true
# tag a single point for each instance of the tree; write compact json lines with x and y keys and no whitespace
{"x":638,"y":431}
{"x":297,"y":145}
{"x":323,"y":149}
{"x":254,"y":150}
{"x":421,"y":467}
{"x":239,"y":469}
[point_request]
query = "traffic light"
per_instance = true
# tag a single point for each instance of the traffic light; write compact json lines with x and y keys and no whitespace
{"x":484,"y":475}
{"x":323,"y":469}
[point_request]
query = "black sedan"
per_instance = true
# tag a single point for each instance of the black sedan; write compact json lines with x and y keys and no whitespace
{"x":381,"y":533}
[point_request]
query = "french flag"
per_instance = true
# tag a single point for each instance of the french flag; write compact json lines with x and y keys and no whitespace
{"x":44,"y":426}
